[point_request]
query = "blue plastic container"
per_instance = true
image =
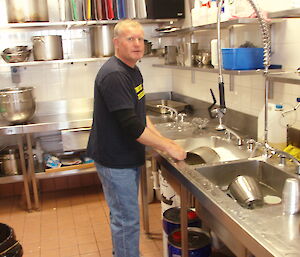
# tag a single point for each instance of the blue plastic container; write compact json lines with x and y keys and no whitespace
{"x":243,"y":58}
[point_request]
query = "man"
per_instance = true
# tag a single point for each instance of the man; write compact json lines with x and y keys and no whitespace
{"x":119,"y":134}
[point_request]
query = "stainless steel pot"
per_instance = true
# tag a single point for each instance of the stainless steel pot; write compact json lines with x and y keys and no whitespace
{"x":47,"y":48}
{"x":170,"y":54}
{"x":9,"y":162}
{"x":17,"y":105}
{"x":102,"y":40}
{"x":27,"y":10}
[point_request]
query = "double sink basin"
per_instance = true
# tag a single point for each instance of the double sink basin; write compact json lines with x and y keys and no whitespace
{"x":233,"y":161}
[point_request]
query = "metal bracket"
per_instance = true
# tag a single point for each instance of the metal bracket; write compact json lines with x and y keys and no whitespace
{"x":15,"y":74}
{"x":231,"y":83}
{"x":193,"y":77}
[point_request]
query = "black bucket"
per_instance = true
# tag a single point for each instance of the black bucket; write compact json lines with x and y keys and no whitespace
{"x":199,"y":243}
{"x":9,"y":246}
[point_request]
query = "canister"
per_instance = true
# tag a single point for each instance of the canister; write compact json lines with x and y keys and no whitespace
{"x":199,"y":243}
{"x":171,"y":219}
{"x":170,"y":54}
{"x":47,"y":48}
{"x":102,"y":40}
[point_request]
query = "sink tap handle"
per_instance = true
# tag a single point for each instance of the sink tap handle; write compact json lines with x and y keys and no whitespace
{"x":181,"y":116}
{"x":282,"y":160}
{"x":251,"y":144}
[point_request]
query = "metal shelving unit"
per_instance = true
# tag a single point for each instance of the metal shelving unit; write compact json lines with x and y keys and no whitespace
{"x":64,"y":61}
{"x":292,"y":13}
{"x":70,"y":24}
{"x":46,"y":175}
{"x":285,"y":77}
{"x":224,"y":25}
{"x":11,"y":179}
{"x":210,"y":69}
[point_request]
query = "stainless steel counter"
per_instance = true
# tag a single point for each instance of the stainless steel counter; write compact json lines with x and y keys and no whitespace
{"x":263,"y":231}
{"x":43,"y":123}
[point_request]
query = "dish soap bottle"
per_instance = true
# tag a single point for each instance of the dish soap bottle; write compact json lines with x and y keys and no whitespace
{"x":277,"y":128}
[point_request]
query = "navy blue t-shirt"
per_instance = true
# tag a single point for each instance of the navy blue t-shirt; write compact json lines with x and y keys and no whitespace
{"x":117,"y":87}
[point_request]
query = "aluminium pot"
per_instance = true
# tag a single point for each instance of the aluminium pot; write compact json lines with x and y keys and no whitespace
{"x":9,"y":162}
{"x":46,"y":48}
{"x":102,"y":40}
{"x":27,"y":10}
{"x":17,"y":105}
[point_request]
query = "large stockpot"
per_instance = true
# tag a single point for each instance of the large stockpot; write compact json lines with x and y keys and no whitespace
{"x":17,"y":105}
{"x":27,"y":10}
{"x":47,"y":48}
{"x":102,"y":40}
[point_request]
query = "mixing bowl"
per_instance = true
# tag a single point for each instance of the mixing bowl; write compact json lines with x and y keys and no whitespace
{"x":16,"y":54}
{"x":17,"y":105}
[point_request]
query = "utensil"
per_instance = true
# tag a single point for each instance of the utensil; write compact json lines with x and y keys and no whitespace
{"x":16,"y":54}
{"x":148,"y":47}
{"x":102,"y":41}
{"x":170,"y":54}
{"x":190,"y":49}
{"x":202,"y":155}
{"x":246,"y":191}
{"x":17,"y":105}
{"x":206,"y":57}
{"x":47,"y":48}
{"x":290,"y":196}
{"x":27,"y":10}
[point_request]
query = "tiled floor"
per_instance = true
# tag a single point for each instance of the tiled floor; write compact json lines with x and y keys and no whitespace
{"x":73,"y":223}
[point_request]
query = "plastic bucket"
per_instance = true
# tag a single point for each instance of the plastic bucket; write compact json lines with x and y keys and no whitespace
{"x":171,"y":219}
{"x":9,"y":246}
{"x":243,"y":58}
{"x":199,"y":243}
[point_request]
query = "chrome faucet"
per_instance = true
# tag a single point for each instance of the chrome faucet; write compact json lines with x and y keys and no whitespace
{"x":270,"y":151}
{"x":282,"y":155}
{"x":173,"y":112}
{"x":230,"y":132}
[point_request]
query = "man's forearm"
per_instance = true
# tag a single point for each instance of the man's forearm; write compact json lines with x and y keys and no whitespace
{"x":151,"y":126}
{"x":150,"y":138}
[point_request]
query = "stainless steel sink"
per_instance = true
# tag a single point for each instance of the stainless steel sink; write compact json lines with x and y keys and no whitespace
{"x":158,"y":119}
{"x":226,"y":149}
{"x":271,"y":179}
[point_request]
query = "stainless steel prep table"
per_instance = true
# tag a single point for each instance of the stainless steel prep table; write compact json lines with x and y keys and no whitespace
{"x":40,"y":124}
{"x":53,"y":123}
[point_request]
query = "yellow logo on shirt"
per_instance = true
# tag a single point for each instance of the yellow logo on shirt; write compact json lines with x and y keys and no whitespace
{"x":140,"y":91}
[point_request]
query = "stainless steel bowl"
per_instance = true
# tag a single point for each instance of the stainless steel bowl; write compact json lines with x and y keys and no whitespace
{"x":17,"y":105}
{"x":16,"y":54}
{"x":246,"y":191}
